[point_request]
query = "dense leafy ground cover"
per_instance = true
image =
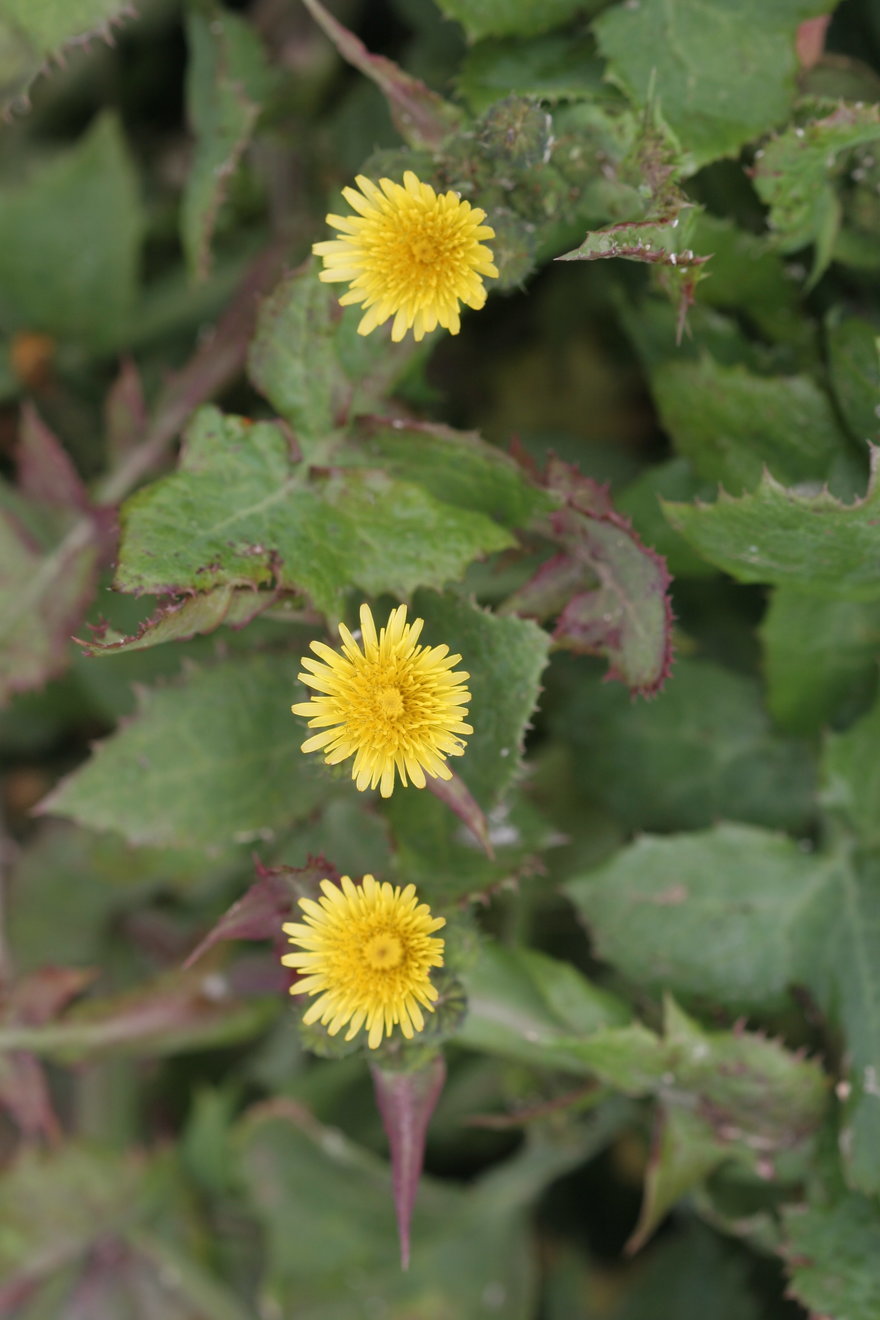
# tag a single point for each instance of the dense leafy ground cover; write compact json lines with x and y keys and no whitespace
{"x":637,"y":494}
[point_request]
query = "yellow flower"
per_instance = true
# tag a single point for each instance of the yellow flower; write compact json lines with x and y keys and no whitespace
{"x":368,"y":951}
{"x":410,"y":253}
{"x":393,"y":706}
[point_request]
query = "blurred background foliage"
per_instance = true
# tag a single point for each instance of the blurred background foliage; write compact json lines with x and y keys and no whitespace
{"x":648,"y":462}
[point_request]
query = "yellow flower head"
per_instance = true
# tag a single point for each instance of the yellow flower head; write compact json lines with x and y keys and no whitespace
{"x":367,"y":951}
{"x":410,"y":253}
{"x":393,"y":706}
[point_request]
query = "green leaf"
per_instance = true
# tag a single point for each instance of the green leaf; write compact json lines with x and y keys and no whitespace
{"x":754,"y":1094}
{"x":118,"y":622}
{"x":838,"y":945}
{"x":661,"y":236}
{"x":672,"y":1280}
{"x":227,"y":81}
{"x":521,"y":1003}
{"x":679,"y":53}
{"x":326,"y":1208}
{"x":845,"y":970}
{"x":57,"y":902}
{"x":182,"y":620}
{"x":640,"y":502}
{"x":820,"y":658}
{"x":628,"y":1058}
{"x":69,"y":242}
{"x":796,"y":171}
{"x":731,"y":423}
{"x":433,"y":851}
{"x":57,"y":1204}
{"x":349,"y":1225}
{"x":652,"y":326}
{"x":457,"y":467}
{"x":815,"y":543}
{"x":856,"y":974}
{"x":507,"y":18}
{"x":165,"y":1277}
{"x":505,"y":658}
{"x":212,"y":759}
{"x":832,"y":1251}
{"x":360,"y":838}
{"x":854,"y":369}
{"x":256,"y":518}
{"x":72,"y":1223}
{"x":71,"y":884}
{"x":31,"y":35}
{"x":852,"y":776}
{"x":684,"y":1152}
{"x":748,"y":275}
{"x":710,"y":916}
{"x":661,"y":240}
{"x":309,"y":361}
{"x":702,"y":751}
{"x":547,"y":68}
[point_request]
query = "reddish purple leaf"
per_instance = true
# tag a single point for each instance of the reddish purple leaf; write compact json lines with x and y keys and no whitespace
{"x":810,"y":40}
{"x":52,"y":544}
{"x":35,"y":999}
{"x":105,"y":1283}
{"x":43,"y":599}
{"x":583,"y":493}
{"x":42,"y":994}
{"x":46,"y":472}
{"x":15,"y":1292}
{"x":406,"y":1101}
{"x":25,"y":1095}
{"x":260,"y":913}
{"x":420,"y":116}
{"x":198,"y":1008}
{"x":125,"y":412}
{"x":607,"y":589}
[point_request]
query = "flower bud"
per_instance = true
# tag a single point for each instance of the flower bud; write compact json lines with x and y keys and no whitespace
{"x":516,"y":132}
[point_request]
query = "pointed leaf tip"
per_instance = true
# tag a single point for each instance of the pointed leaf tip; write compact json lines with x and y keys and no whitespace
{"x":45,"y":470}
{"x":421,"y":116}
{"x":263,"y":908}
{"x":406,"y":1101}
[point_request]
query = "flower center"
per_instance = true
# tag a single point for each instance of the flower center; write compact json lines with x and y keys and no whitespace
{"x":383,"y":952}
{"x":389,"y":703}
{"x":423,"y":249}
